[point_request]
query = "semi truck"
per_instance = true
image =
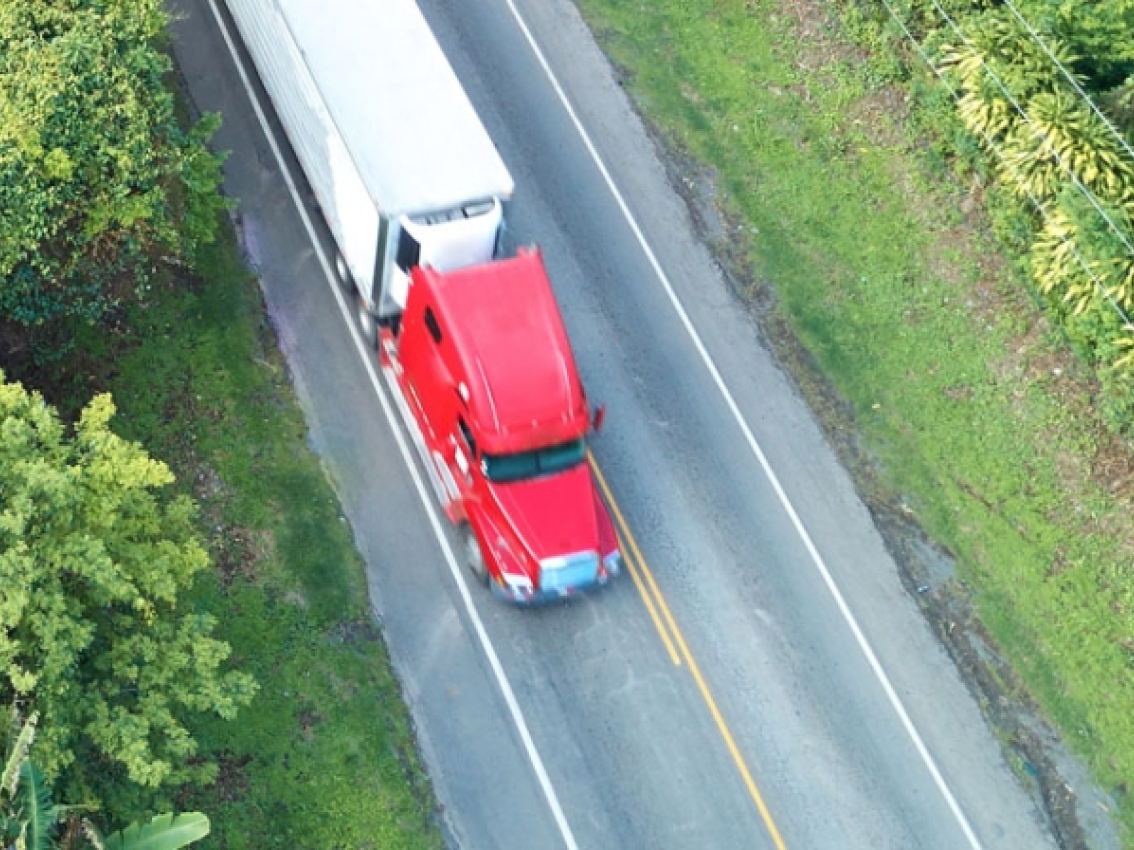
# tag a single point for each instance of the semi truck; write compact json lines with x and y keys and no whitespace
{"x":470,"y":339}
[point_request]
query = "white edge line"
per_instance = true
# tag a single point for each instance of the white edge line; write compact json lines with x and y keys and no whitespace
{"x":478,"y":626}
{"x":773,"y":479}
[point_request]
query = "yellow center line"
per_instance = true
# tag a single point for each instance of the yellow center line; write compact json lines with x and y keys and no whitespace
{"x":630,"y":568}
{"x":645,"y":594}
{"x":625,"y":530}
{"x":706,"y":694}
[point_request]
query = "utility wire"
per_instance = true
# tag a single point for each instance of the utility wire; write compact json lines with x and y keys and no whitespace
{"x":991,"y":144}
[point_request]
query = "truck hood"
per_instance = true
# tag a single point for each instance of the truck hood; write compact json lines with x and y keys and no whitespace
{"x":554,"y":515}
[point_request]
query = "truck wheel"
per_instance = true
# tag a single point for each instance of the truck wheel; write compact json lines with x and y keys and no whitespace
{"x":368,"y":325}
{"x":474,"y":557}
{"x":342,"y":274}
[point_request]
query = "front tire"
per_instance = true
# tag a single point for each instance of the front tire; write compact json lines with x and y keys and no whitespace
{"x":472,"y":554}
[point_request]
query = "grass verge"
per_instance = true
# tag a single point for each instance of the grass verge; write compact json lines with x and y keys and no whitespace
{"x":325,"y":756}
{"x":979,"y":423}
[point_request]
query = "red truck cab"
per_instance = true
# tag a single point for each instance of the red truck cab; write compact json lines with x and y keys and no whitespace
{"x":487,"y":384}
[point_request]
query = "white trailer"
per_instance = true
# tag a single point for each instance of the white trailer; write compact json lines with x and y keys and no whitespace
{"x":399,"y":161}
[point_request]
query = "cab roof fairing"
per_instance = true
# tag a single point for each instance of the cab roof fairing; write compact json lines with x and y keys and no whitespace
{"x":521,"y":384}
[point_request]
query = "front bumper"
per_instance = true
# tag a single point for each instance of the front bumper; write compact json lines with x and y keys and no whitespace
{"x":561,"y":578}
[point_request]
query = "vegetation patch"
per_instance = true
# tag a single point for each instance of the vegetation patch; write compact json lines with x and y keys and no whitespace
{"x":879,"y":274}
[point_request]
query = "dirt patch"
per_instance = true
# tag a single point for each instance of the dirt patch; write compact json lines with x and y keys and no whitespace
{"x":239,"y":551}
{"x":231,"y":784}
{"x":817,"y":28}
{"x":355,"y":632}
{"x":308,"y":719}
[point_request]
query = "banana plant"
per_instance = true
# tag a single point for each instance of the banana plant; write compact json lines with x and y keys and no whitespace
{"x":28,"y":816}
{"x":1124,"y":364}
{"x":164,"y":832}
{"x":31,"y":820}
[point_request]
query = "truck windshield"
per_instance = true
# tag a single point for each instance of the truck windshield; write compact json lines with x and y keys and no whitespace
{"x":523,"y":465}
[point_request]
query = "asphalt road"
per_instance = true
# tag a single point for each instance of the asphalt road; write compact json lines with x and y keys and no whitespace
{"x":779,"y":688}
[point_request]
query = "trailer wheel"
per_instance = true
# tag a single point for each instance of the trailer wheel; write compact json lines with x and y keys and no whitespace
{"x":342,"y":274}
{"x":474,"y":557}
{"x":368,"y":325}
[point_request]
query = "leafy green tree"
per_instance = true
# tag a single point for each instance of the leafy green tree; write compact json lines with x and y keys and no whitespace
{"x":98,"y":182}
{"x":1119,"y":103}
{"x":1100,"y":33}
{"x":94,"y":634}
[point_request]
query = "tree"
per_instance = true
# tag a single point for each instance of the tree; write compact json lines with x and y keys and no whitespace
{"x":1101,"y":33}
{"x":98,"y":182}
{"x":31,"y":820}
{"x":95,"y":635}
{"x":1119,"y":103}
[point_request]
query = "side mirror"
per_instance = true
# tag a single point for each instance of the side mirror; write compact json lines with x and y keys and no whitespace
{"x":599,"y":418}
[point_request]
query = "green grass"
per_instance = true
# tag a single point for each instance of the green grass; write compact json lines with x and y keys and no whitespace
{"x":324,"y":757}
{"x":919,"y":321}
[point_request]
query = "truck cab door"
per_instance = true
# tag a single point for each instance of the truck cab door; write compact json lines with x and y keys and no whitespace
{"x":426,"y":370}
{"x":465,"y":456}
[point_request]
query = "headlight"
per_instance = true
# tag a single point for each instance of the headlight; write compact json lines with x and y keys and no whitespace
{"x":511,"y":572}
{"x":612,"y":562}
{"x":516,"y":582}
{"x":516,"y":587}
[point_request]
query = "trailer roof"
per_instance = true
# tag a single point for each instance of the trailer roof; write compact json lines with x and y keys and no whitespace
{"x":523,"y":387}
{"x":417,"y":141}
